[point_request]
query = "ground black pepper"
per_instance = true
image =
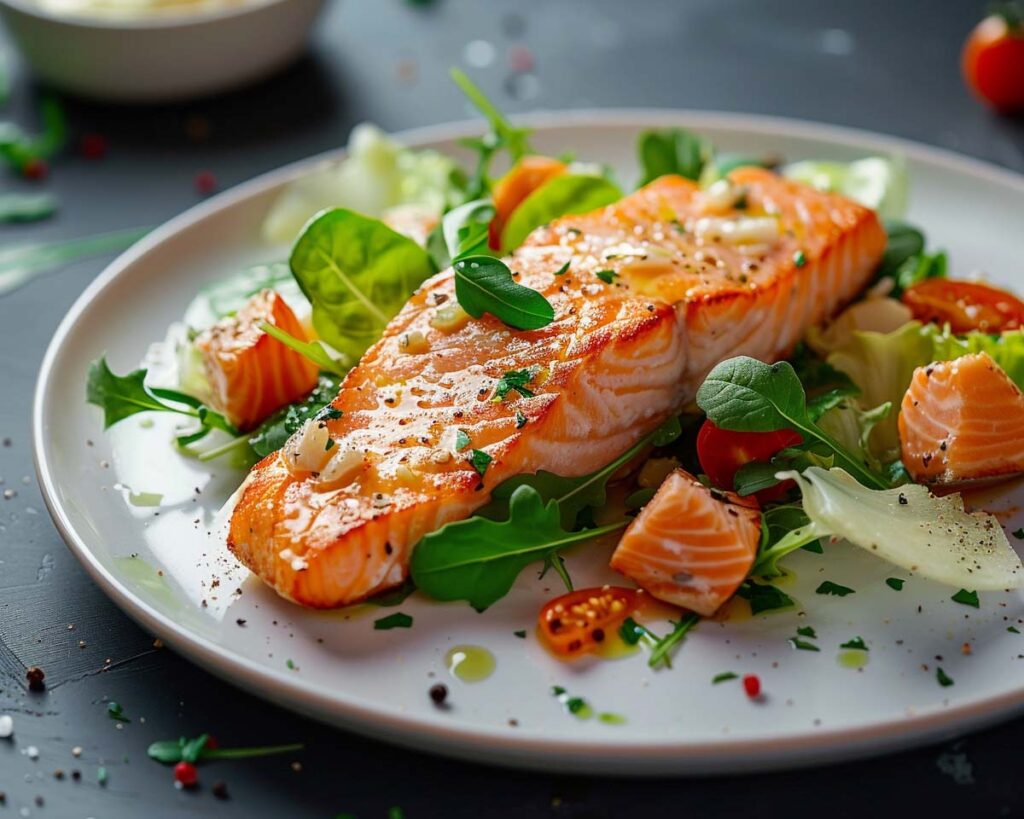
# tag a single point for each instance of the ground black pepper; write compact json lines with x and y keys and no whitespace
{"x":35,"y":677}
{"x":438,"y":693}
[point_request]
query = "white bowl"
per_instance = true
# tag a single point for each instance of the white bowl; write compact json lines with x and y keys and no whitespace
{"x":160,"y":57}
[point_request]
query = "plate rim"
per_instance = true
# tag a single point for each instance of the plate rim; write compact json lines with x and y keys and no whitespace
{"x":474,"y":743}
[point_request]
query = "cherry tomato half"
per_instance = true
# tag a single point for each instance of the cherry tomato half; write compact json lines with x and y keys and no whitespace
{"x":578,"y":622}
{"x":993,"y":62}
{"x":722,"y":452}
{"x":965,"y":306}
{"x":522,"y":179}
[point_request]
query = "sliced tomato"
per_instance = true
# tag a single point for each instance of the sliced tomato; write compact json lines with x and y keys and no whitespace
{"x":965,"y":306}
{"x":580,"y":621}
{"x":522,"y":179}
{"x":722,"y":452}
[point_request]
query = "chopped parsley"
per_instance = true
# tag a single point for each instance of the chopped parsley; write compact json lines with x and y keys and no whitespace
{"x":828,"y":587}
{"x":856,"y":643}
{"x":802,"y":645}
{"x":807,"y":631}
{"x":461,"y":440}
{"x":607,"y":276}
{"x":480,"y":460}
{"x":513,"y":380}
{"x":397,"y":620}
{"x":895,"y":583}
{"x":631,"y":631}
{"x":1019,"y":534}
{"x":115,"y":711}
{"x":725,"y":676}
{"x":520,"y":420}
{"x":663,"y":645}
{"x":764,"y":597}
{"x":328,"y":413}
{"x":521,"y":634}
{"x":331,"y":443}
{"x":943,"y":678}
{"x":1013,"y":629}
{"x":563,"y":269}
{"x":291,"y":665}
{"x":800,"y":258}
{"x":966,"y":598}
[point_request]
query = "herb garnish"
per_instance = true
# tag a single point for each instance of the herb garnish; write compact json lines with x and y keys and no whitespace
{"x":607,"y":276}
{"x":312,"y":350}
{"x":521,"y":633}
{"x":807,"y":631}
{"x":397,"y":620}
{"x":1013,"y":629}
{"x":480,"y":460}
{"x":1019,"y":534}
{"x":461,"y":440}
{"x":171,"y":752}
{"x":485,"y":285}
{"x":671,"y":151}
{"x":895,"y":583}
{"x":799,"y":258}
{"x":725,"y":676}
{"x":802,"y":645}
{"x":764,"y":597}
{"x":663,"y":645}
{"x":967,"y":598}
{"x":514,"y":380}
{"x":116,"y":712}
{"x":828,"y":587}
{"x":943,"y":678}
{"x":520,"y":419}
{"x":565,"y":269}
{"x":856,"y":643}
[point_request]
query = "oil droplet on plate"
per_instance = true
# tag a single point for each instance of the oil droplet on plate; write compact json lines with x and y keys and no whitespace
{"x":470,"y":663}
{"x":145,"y":498}
{"x":853,"y":658}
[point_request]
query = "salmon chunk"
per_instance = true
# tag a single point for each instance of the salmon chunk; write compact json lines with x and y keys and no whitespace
{"x":691,"y":546}
{"x":962,"y":420}
{"x":250,"y":373}
{"x":659,"y":288}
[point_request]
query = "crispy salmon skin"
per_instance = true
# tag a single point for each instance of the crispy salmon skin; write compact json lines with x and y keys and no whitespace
{"x":659,"y":287}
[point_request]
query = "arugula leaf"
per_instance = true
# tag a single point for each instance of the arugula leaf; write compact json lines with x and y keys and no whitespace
{"x":478,"y":559}
{"x":764,"y":597}
{"x":966,"y":598}
{"x":313,"y":350}
{"x":465,"y":231}
{"x":672,"y":150}
{"x":802,"y":645}
{"x":485,"y":285}
{"x":513,"y":380}
{"x":26,"y":207}
{"x":121,"y":396}
{"x":631,"y":631}
{"x":171,"y":752}
{"x":834,"y":589}
{"x":747,"y":395}
{"x":560,"y":196}
{"x":357,"y":273}
{"x":663,"y":645}
{"x":573,"y":495}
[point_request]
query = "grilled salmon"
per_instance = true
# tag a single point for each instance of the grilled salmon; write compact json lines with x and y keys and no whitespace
{"x":250,"y":373}
{"x":691,"y":546}
{"x":659,"y":288}
{"x":962,"y":420}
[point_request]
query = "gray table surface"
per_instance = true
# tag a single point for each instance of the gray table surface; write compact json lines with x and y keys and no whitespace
{"x":878,"y":64}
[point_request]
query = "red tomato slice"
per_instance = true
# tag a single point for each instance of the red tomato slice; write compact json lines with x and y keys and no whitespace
{"x":722,"y":452}
{"x":965,"y":306}
{"x":578,"y":622}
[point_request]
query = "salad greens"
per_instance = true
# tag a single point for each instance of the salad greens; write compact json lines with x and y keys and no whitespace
{"x":671,"y":151}
{"x":908,"y":526}
{"x":561,"y":196}
{"x":879,"y":183}
{"x":26,"y":207}
{"x":747,"y":395}
{"x":313,"y":350}
{"x":484,"y":284}
{"x":357,"y":273}
{"x":478,"y":560}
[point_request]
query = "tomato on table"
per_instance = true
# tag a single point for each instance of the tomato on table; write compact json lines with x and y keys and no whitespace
{"x":722,"y":452}
{"x":965,"y":306}
{"x":993,"y":59}
{"x":579,"y":622}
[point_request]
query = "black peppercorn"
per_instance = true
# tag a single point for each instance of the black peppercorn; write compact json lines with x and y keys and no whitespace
{"x":35,"y":677}
{"x":438,"y":693}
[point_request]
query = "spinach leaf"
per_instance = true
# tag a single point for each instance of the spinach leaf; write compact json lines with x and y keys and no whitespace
{"x":466,"y":230}
{"x":747,"y":395}
{"x":560,"y":196}
{"x":271,"y":435}
{"x":485,"y":285}
{"x":26,"y":207}
{"x":478,"y":560}
{"x":905,"y":260}
{"x":918,"y":268}
{"x":357,"y":273}
{"x":671,"y":151}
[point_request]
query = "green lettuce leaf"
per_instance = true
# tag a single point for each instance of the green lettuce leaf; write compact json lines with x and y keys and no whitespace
{"x":879,"y":183}
{"x":934,"y":537}
{"x":357,"y":273}
{"x":560,"y":196}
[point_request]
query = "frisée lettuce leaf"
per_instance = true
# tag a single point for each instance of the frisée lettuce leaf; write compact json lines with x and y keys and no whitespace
{"x":934,"y":537}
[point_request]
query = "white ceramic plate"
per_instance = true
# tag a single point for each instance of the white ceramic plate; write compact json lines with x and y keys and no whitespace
{"x":336,"y":667}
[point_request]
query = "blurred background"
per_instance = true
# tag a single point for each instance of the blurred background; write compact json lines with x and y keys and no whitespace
{"x":144,"y":140}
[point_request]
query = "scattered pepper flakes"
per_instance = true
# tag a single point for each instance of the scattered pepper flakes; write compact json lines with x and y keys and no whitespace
{"x":35,"y":676}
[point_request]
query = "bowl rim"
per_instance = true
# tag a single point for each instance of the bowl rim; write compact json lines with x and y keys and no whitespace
{"x":150,"y":22}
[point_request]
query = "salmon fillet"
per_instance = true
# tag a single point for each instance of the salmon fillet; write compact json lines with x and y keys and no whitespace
{"x":681,"y":286}
{"x":252,"y":374}
{"x":691,"y":546}
{"x":962,"y":420}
